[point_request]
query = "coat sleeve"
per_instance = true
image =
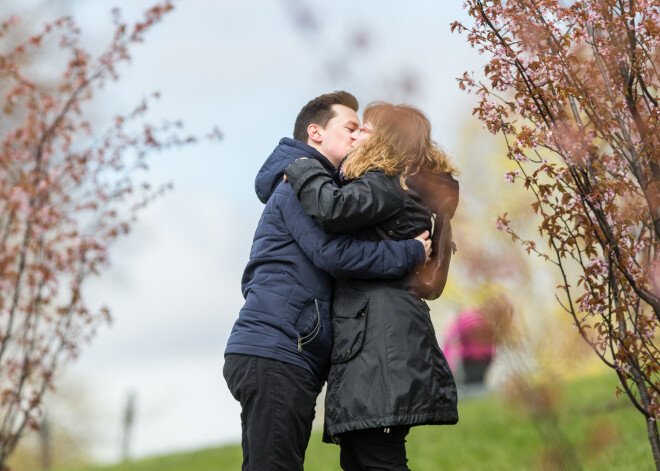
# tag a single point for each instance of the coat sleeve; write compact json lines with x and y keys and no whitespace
{"x":345,"y":257}
{"x":366,"y":201}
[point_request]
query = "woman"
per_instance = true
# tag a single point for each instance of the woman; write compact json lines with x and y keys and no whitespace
{"x":387,"y":372}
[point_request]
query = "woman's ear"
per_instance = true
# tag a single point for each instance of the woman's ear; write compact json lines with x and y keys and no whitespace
{"x":313,"y":133}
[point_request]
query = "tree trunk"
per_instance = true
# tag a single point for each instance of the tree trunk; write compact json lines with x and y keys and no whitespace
{"x":651,"y":424}
{"x":652,"y":429}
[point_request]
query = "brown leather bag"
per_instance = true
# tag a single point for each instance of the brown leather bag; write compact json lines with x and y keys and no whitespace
{"x":432,"y":277}
{"x":441,"y":191}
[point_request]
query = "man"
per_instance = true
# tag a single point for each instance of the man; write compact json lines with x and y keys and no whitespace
{"x":278,"y":353}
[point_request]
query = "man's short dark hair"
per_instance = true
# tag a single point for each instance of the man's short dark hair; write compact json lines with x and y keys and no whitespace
{"x":319,"y":111}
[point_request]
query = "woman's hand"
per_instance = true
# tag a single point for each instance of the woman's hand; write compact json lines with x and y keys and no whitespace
{"x":424,"y":239}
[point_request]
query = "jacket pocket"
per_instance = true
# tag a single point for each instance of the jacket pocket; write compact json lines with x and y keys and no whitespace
{"x":308,"y":324}
{"x":349,"y":320}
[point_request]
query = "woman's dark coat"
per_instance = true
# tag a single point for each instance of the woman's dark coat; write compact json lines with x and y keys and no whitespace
{"x":386,"y":366}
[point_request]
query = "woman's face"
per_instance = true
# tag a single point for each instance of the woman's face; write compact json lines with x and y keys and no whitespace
{"x":365,"y":132}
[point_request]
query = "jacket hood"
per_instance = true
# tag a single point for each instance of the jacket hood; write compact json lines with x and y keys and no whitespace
{"x":271,"y":173}
{"x":439,"y":189}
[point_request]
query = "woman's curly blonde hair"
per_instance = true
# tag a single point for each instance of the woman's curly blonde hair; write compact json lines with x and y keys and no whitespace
{"x":400,"y":143}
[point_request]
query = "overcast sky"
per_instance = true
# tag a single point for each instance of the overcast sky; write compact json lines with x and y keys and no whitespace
{"x":247,"y":67}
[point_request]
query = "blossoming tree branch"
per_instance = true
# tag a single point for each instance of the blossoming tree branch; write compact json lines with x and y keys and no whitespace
{"x":572,"y":86}
{"x":67,"y":192}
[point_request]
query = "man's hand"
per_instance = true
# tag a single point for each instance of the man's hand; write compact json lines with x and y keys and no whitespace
{"x":424,"y":239}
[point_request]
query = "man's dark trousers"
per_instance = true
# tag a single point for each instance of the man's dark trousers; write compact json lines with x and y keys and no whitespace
{"x":277,"y":401}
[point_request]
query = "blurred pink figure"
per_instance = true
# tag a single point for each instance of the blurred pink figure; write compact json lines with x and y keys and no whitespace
{"x":470,"y":343}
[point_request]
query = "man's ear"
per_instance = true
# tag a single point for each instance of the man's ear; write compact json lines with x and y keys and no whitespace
{"x":313,"y":133}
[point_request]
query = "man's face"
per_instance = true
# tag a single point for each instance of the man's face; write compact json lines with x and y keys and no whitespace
{"x":339,"y":134}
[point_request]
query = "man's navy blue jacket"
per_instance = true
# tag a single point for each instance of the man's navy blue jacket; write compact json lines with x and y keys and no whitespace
{"x":287,"y":284}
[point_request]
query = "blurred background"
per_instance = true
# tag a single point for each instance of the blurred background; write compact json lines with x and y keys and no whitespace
{"x":174,"y":284}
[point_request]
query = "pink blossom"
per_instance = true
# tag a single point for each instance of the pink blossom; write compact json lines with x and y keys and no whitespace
{"x":510,"y":176}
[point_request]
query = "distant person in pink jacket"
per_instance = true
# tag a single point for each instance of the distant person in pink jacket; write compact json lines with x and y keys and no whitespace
{"x":470,"y":344}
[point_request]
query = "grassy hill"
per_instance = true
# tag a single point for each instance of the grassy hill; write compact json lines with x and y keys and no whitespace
{"x":590,"y":425}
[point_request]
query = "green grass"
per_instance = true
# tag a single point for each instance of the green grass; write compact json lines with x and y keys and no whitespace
{"x":494,"y":433}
